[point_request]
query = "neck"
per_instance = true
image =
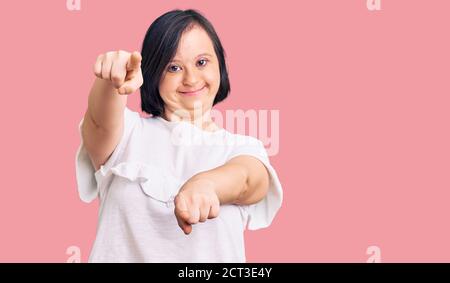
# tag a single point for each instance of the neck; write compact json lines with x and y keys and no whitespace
{"x":201,"y":120}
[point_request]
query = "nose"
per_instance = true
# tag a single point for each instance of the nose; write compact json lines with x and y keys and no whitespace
{"x":191,"y":77}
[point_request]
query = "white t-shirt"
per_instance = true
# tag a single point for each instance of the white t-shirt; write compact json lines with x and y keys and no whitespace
{"x":137,"y":185}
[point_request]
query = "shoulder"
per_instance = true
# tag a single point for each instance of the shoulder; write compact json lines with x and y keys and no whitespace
{"x":243,"y":140}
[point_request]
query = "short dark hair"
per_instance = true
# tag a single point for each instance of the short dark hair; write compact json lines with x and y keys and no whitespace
{"x":159,"y":47}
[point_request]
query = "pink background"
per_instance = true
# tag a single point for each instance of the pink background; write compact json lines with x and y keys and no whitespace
{"x":364,"y":122}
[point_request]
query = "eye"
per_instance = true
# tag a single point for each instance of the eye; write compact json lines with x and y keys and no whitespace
{"x":203,"y":60}
{"x":172,"y":68}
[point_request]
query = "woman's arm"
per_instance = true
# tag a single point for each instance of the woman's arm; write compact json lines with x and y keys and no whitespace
{"x":242,"y":180}
{"x":117,"y":73}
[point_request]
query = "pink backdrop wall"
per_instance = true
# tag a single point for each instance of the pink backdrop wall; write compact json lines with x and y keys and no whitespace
{"x":363,"y":99}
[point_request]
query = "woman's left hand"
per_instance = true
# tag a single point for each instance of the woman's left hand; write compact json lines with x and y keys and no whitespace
{"x":196,"y":202}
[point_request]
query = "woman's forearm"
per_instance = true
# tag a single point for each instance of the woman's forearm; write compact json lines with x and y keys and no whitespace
{"x":105,"y":105}
{"x":242,"y":180}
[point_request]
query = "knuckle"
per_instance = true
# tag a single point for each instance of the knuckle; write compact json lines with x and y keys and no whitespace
{"x":215,"y":212}
{"x":109,"y":55}
{"x":193,"y":220}
{"x":120,"y":52}
{"x":105,"y":71}
{"x":116,"y":77}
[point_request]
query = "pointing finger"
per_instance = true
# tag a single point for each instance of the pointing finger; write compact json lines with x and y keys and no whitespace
{"x":135,"y":61}
{"x":182,"y":214}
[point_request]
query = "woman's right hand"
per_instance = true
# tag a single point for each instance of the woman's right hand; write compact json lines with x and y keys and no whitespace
{"x":122,"y":69}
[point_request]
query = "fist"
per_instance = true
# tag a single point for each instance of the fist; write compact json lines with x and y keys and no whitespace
{"x":196,"y":202}
{"x":122,"y":69}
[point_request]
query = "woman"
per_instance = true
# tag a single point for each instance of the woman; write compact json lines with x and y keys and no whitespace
{"x":152,"y":180}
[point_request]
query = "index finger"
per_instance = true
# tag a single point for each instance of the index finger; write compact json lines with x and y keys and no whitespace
{"x":186,"y":227}
{"x":135,"y":61}
{"x":182,"y":214}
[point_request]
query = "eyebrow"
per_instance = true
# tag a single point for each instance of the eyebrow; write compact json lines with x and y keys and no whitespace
{"x":203,"y":54}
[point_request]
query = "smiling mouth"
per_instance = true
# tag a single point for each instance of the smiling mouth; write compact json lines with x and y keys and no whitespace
{"x":191,"y":93}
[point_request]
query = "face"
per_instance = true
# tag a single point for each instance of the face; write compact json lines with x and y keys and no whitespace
{"x":191,"y":80}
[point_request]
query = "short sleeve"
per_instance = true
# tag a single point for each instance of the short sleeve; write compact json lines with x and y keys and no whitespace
{"x":87,"y":178}
{"x":261,"y":214}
